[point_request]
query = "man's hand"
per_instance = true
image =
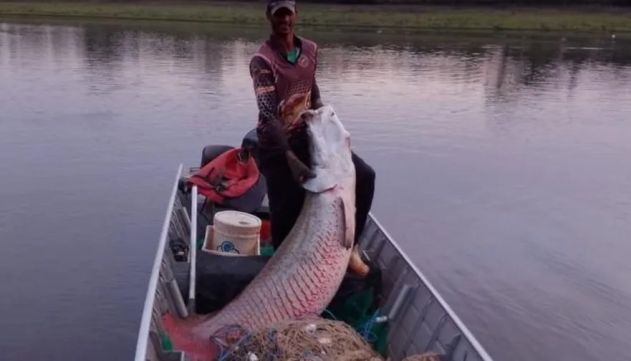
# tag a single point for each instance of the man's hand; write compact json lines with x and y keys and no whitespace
{"x":299,"y":126}
{"x":299,"y":170}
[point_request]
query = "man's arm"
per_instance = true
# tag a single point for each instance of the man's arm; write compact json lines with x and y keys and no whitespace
{"x":269,"y":127}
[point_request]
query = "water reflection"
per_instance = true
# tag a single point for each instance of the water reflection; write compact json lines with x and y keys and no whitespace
{"x":510,"y":150}
{"x":506,"y":61}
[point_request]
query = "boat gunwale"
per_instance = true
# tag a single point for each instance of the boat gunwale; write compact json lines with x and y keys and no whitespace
{"x":477,"y":346}
{"x":145,"y":323}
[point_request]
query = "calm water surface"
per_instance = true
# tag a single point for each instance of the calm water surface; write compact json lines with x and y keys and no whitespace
{"x":503,"y":169}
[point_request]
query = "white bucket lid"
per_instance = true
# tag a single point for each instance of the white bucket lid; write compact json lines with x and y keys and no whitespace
{"x":237,"y":222}
{"x":238,"y":219}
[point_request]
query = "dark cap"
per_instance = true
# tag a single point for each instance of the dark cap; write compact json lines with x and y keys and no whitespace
{"x":274,"y":5}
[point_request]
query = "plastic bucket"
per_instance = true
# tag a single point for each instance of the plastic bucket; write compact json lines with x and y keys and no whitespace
{"x":233,"y":233}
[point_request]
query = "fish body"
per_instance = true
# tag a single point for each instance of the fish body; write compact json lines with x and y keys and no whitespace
{"x":306,"y":271}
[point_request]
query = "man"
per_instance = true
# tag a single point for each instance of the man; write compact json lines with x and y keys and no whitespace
{"x":283,"y":71}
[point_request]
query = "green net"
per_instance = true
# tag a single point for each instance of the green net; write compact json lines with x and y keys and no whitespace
{"x":360,"y":312}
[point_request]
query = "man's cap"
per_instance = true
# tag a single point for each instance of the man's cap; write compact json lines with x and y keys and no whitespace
{"x":274,"y":5}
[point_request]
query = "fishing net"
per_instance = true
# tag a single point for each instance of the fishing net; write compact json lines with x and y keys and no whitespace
{"x":305,"y":340}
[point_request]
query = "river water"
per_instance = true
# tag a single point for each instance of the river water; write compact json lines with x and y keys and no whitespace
{"x":503,"y":169}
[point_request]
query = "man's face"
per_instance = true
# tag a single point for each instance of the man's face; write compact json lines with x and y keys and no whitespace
{"x":283,"y":21}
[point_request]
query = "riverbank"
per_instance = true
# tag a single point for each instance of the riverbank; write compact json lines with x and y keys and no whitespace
{"x":369,"y":16}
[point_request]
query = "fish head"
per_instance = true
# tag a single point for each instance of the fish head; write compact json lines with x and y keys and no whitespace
{"x":330,"y":148}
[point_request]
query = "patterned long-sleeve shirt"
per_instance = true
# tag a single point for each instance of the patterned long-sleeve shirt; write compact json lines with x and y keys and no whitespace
{"x":270,"y":128}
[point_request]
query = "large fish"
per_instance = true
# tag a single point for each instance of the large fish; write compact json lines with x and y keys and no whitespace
{"x":306,"y":271}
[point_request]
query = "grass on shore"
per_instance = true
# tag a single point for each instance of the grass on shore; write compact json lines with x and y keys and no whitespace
{"x":372,"y":16}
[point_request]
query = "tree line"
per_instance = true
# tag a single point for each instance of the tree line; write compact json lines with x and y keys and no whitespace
{"x":507,"y":3}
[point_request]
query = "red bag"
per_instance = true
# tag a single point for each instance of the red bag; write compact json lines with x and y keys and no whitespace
{"x":227,"y":176}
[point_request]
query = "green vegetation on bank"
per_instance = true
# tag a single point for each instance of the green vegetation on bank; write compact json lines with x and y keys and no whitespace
{"x":372,"y":16}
